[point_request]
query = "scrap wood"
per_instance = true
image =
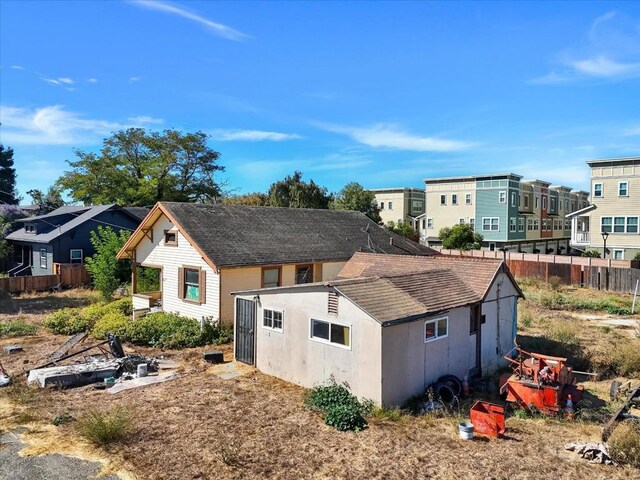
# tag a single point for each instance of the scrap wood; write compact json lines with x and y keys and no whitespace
{"x":63,"y":349}
{"x":594,"y":452}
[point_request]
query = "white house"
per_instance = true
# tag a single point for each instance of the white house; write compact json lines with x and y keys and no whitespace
{"x":388,"y":325}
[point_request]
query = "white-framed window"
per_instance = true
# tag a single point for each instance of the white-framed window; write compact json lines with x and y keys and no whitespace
{"x":429,"y":222}
{"x":620,"y":225}
{"x":567,"y":224}
{"x":424,"y":223}
{"x":606,"y":224}
{"x":435,"y":329}
{"x":623,"y":189}
{"x":529,"y":224}
{"x":472,"y":223}
{"x":417,"y":206}
{"x":536,"y":225}
{"x":618,"y":254}
{"x":521,"y":224}
{"x":544,"y":203}
{"x":537,"y":202}
{"x":330,"y":332}
{"x":454,"y":199}
{"x":443,"y":199}
{"x":75,"y":255}
{"x":43,"y":258}
{"x":490,"y":224}
{"x":512,"y":225}
{"x":390,"y":205}
{"x":502,"y":197}
{"x":272,"y":319}
{"x":514,"y":200}
{"x":461,"y":221}
{"x":597,"y":190}
{"x":467,"y":199}
{"x":381,"y":205}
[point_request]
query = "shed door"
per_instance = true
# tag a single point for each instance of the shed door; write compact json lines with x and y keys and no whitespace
{"x":245,"y":330}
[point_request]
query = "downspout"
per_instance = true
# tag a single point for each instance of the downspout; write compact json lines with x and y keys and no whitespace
{"x":498,"y":349}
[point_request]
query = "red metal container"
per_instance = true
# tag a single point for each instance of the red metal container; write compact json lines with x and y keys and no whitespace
{"x":487,"y":419}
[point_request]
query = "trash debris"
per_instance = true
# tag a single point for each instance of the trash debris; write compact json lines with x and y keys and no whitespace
{"x":594,"y":452}
{"x":215,"y":356}
{"x":11,"y":349}
{"x":122,"y":384}
{"x":5,"y":379}
{"x":63,"y":349}
{"x":624,"y":412}
{"x":430,"y":406}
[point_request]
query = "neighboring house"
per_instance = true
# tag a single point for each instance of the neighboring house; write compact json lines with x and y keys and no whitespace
{"x":523,"y":215}
{"x":389,"y":326}
{"x":63,"y":236}
{"x":614,"y":209}
{"x":400,"y":205}
{"x":205,"y":252}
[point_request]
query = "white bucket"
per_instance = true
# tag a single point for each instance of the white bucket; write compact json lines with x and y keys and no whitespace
{"x":142,"y":370}
{"x":466,"y":430}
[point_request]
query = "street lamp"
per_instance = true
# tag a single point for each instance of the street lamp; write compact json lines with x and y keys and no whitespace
{"x":605,"y":235}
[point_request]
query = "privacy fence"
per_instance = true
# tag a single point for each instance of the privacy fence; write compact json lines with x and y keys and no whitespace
{"x":602,"y":274}
{"x":67,"y":276}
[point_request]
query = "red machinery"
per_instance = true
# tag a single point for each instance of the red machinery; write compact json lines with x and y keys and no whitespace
{"x":539,"y":381}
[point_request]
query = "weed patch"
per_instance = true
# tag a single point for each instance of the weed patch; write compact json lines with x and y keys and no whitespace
{"x":624,"y":443}
{"x":104,"y":428}
{"x":17,"y":328}
{"x":340,"y":407}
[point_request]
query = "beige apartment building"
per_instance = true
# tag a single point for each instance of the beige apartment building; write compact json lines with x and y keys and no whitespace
{"x":614,"y":212}
{"x":400,"y":205}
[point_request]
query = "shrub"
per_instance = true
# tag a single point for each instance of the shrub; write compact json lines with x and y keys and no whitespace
{"x":637,"y":256}
{"x":526,"y":318}
{"x":340,"y":407}
{"x":107,"y":272}
{"x":555,"y":283}
{"x":17,"y":328}
{"x":591,"y":254}
{"x":624,"y":443}
{"x":103,"y":428}
{"x":553,"y":301}
{"x":112,"y":322}
{"x":66,"y":321}
{"x":345,"y":417}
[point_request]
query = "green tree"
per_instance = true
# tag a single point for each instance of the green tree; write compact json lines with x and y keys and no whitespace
{"x":8,"y":194}
{"x":460,"y":237}
{"x":295,"y":193}
{"x":46,"y":201}
{"x":107,"y":272}
{"x":256,"y":199}
{"x":139,"y":168}
{"x":404,"y":229}
{"x":354,"y":196}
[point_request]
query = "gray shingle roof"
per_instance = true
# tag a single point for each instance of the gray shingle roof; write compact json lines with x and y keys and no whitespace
{"x":234,"y":235}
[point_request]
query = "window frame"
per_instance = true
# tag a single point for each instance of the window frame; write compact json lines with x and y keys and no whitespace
{"x":272,"y":328}
{"x":626,"y":183}
{"x":279,"y":268}
{"x":521,"y":224}
{"x":502,"y":197}
{"x":43,"y":258}
{"x":71,"y":260}
{"x":381,"y":205}
{"x":173,"y":243}
{"x":609,"y":226}
{"x":491,"y":229}
{"x":329,"y":342}
{"x":303,"y":265}
{"x":472,"y":223}
{"x":514,"y":202}
{"x":389,"y":205}
{"x":183,"y":293}
{"x":443,"y":199}
{"x":595,"y":190}
{"x":513,"y":224}
{"x":454,"y":199}
{"x":436,"y":322}
{"x":613,"y":253}
{"x":467,"y":199}
{"x":429,"y":222}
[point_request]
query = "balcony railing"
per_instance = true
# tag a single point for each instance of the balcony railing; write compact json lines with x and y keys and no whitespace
{"x":583,"y":237}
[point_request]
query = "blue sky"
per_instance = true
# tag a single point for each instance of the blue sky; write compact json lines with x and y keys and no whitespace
{"x":381,"y":93}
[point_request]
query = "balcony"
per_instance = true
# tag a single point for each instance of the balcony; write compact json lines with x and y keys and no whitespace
{"x":583,"y":238}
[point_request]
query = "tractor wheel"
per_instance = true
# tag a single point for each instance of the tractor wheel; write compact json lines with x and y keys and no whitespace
{"x":444,"y":393}
{"x":453,"y":382}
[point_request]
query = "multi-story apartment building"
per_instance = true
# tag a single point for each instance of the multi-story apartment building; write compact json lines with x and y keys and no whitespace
{"x":614,"y":210}
{"x":527,"y":216}
{"x":400,"y":205}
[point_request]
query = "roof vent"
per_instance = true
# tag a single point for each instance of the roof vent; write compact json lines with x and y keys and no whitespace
{"x":333,"y":303}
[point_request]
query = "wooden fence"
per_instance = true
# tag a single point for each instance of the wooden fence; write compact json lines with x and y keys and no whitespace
{"x":69,"y":277}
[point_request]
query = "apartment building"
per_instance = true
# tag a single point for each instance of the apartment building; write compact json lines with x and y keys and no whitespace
{"x":614,"y":212}
{"x":509,"y":212}
{"x":399,"y":205}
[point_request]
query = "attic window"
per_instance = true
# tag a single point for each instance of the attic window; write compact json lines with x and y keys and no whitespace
{"x":30,"y":228}
{"x":333,"y":303}
{"x":171,"y":237}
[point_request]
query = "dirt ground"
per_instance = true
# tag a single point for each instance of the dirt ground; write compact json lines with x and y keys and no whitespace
{"x":201,"y":426}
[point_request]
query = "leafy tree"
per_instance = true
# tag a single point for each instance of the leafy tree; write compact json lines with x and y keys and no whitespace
{"x":404,"y":229}
{"x":8,"y":194}
{"x":107,"y":272}
{"x":257,"y":199}
{"x":354,"y":196}
{"x":46,"y":201}
{"x":295,"y":193}
{"x":8,"y":214}
{"x":460,"y":237}
{"x":139,"y":168}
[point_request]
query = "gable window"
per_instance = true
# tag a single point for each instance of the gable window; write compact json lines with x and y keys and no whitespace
{"x":606,"y":224}
{"x":272,"y":319}
{"x":75,"y":255}
{"x":443,"y":199}
{"x":597,"y":190}
{"x":329,"y":332}
{"x":512,"y":224}
{"x":623,"y":189}
{"x":43,"y":258}
{"x":304,"y":274}
{"x":30,"y":228}
{"x":467,"y":199}
{"x":192,"y":284}
{"x":454,"y":199}
{"x":390,"y":204}
{"x":502,"y":197}
{"x":434,"y":329}
{"x":490,"y":224}
{"x":170,"y":237}
{"x":270,"y":277}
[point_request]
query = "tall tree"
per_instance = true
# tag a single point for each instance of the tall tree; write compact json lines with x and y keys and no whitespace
{"x":138,"y":168}
{"x":8,"y":194}
{"x":256,"y":199}
{"x":107,"y":272}
{"x":295,"y":193}
{"x":404,"y":229}
{"x":46,"y":201}
{"x":354,"y":196}
{"x":460,"y":237}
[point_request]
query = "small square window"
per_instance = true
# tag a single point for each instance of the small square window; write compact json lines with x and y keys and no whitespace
{"x":618,"y":254}
{"x":75,"y":255}
{"x":434,"y":329}
{"x":270,"y":277}
{"x":170,"y":237}
{"x":272,"y":319}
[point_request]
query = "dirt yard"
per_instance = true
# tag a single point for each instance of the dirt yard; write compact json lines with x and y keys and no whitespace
{"x":201,"y":426}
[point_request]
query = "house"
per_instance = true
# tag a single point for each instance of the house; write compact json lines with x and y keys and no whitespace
{"x":388,"y":325}
{"x":205,"y":252}
{"x":63,"y":236}
{"x":400,"y":205}
{"x":524,"y":215}
{"x":614,"y":210}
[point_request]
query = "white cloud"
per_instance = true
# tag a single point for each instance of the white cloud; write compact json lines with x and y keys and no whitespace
{"x":600,"y":20}
{"x":217,"y":28}
{"x":551,"y":78}
{"x":145,"y":119}
{"x":52,"y":125}
{"x":632,"y":132}
{"x":390,"y":136}
{"x":66,"y":80}
{"x":251,"y":135}
{"x":134,"y":79}
{"x":58,"y":81}
{"x":601,"y":66}
{"x":92,"y":80}
{"x":17,"y":67}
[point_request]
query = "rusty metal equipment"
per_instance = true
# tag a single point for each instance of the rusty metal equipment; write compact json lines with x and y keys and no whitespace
{"x":539,"y":381}
{"x":630,"y":409}
{"x":487,"y":419}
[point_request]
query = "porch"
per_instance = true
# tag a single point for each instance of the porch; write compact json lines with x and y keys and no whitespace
{"x":581,"y":227}
{"x":146,"y":289}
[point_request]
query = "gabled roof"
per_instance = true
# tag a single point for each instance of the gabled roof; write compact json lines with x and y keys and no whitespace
{"x":398,"y":288}
{"x":580,"y":212}
{"x":237,"y":235}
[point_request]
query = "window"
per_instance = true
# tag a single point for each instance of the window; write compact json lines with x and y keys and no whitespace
{"x":328,"y":332}
{"x":429,"y":222}
{"x":618,"y":254}
{"x":536,"y":225}
{"x":623,"y":189}
{"x":417,"y":206}
{"x":381,"y":205}
{"x":491,"y":224}
{"x":191,"y":284}
{"x":537,"y":202}
{"x":529,"y":224}
{"x":597,"y":190}
{"x":632,"y":224}
{"x":43,"y":258}
{"x":424,"y":224}
{"x":472,"y":223}
{"x":272,"y":319}
{"x":553,"y":204}
{"x":512,"y":224}
{"x":434,"y":329}
{"x":270,"y":277}
{"x":467,"y":199}
{"x":454,"y":199}
{"x":443,"y":199}
{"x":390,"y":205}
{"x":567,"y":224}
{"x":526,"y":201}
{"x":521,"y":224}
{"x":605,"y":224}
{"x":513,"y":199}
{"x":544,"y":203}
{"x":566,"y":205}
{"x":620,"y":224}
{"x":304,"y":274}
{"x":75,"y":255}
{"x":461,"y":221}
{"x":171,"y":237}
{"x":30,"y":228}
{"x":502,"y":197}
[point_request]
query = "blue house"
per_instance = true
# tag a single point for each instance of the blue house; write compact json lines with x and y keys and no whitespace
{"x":63,"y":236}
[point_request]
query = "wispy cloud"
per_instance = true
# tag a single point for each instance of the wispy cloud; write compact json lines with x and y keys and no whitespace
{"x":146,"y":120}
{"x":599,"y":21}
{"x":92,"y":80}
{"x":17,"y":67}
{"x":551,"y":78}
{"x":219,"y":29}
{"x":58,"y":81}
{"x":601,"y":66}
{"x":632,"y":131}
{"x":390,"y":136}
{"x":134,"y":79}
{"x":225,"y":135}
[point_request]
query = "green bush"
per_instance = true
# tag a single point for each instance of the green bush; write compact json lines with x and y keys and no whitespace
{"x":637,"y":256}
{"x":345,"y":417}
{"x":591,"y":253}
{"x":112,"y":322}
{"x":340,"y":407}
{"x":17,"y":328}
{"x":103,"y":428}
{"x":93,"y":313}
{"x":66,"y":321}
{"x":624,"y":443}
